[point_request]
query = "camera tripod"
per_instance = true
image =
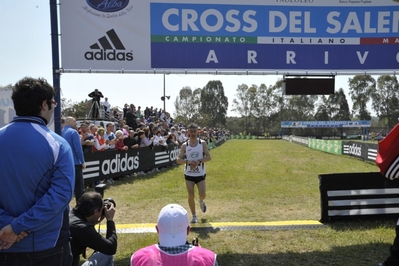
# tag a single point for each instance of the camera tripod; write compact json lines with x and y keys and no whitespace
{"x":94,"y":110}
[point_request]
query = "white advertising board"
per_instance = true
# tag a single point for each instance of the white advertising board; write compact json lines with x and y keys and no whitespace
{"x":230,"y":35}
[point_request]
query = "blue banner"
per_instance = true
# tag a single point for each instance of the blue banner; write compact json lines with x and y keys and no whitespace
{"x":325,"y":124}
{"x":274,"y":37}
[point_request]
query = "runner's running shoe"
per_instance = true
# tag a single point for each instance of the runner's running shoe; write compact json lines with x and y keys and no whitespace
{"x":202,"y":205}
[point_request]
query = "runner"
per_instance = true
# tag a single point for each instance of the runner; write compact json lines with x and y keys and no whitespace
{"x":194,"y":153}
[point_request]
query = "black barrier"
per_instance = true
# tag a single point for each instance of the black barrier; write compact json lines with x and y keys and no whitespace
{"x":362,"y":150}
{"x":358,"y":194}
{"x":110,"y":164}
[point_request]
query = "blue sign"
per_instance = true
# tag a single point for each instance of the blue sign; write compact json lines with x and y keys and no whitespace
{"x":274,"y":37}
{"x":324,"y":124}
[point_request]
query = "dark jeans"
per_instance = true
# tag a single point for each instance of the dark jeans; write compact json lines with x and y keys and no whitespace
{"x":57,"y":256}
{"x":79,"y":182}
{"x":94,"y":109}
{"x":106,"y":113}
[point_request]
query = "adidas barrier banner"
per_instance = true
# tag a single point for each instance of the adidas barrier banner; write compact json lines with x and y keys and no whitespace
{"x":229,"y":35}
{"x":357,"y":194}
{"x":110,"y":164}
{"x":361,"y":150}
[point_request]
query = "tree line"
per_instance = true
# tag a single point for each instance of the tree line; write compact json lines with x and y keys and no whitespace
{"x":262,"y":108}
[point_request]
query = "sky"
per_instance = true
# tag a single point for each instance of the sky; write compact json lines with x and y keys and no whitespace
{"x":25,"y":50}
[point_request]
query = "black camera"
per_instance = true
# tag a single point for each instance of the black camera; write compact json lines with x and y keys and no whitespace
{"x":107,"y":204}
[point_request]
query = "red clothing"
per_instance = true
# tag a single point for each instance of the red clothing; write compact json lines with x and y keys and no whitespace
{"x":101,"y":141}
{"x":119,"y":145}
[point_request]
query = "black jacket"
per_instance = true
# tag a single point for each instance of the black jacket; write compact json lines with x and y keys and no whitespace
{"x":131,"y":141}
{"x":83,"y":235}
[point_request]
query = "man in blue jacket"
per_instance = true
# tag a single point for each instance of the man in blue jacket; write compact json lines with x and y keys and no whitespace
{"x":71,"y":135}
{"x":37,"y":180}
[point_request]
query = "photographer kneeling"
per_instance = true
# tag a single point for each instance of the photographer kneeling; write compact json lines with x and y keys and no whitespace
{"x":90,"y":210}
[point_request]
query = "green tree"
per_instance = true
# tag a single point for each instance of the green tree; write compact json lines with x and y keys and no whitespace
{"x":187,"y":105}
{"x":214,"y":104}
{"x":322,"y":113}
{"x":74,"y":109}
{"x":338,"y":106}
{"x":241,"y":103}
{"x":386,"y":100}
{"x":265,"y":105}
{"x":360,"y":88}
{"x":8,"y":87}
{"x":301,"y":107}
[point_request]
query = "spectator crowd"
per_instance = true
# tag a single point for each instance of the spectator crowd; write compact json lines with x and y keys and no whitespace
{"x":133,"y":128}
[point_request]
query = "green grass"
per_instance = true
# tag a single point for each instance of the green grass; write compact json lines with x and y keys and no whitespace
{"x":256,"y":181}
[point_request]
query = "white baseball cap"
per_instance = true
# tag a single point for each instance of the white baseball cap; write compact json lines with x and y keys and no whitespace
{"x":172,"y":226}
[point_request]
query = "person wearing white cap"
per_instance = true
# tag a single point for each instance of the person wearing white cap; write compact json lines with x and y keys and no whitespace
{"x":173,"y":249}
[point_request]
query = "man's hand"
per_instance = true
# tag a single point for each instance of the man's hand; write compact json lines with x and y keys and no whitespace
{"x":109,"y":213}
{"x":21,"y":236}
{"x":8,"y":237}
{"x":193,"y":164}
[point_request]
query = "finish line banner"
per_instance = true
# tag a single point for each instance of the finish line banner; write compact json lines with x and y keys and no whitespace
{"x":259,"y":35}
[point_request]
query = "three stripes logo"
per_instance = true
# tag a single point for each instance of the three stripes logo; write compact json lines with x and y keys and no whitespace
{"x":164,"y":157}
{"x":109,"y":48}
{"x":352,"y":149}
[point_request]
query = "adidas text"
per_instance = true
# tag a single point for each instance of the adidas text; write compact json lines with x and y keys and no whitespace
{"x":119,"y":164}
{"x":354,"y":150}
{"x":112,"y":55}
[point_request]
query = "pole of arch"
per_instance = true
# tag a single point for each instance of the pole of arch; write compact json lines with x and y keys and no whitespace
{"x":56,"y":64}
{"x":164,"y":96}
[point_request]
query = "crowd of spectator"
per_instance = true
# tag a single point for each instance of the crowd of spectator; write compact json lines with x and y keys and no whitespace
{"x":133,"y":128}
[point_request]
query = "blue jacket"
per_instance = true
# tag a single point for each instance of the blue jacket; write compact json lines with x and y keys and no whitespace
{"x":73,"y":138}
{"x":37,"y":180}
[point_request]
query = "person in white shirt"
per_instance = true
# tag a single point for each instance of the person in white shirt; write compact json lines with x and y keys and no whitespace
{"x":107,"y":108}
{"x":182,"y":136}
{"x":160,"y":140}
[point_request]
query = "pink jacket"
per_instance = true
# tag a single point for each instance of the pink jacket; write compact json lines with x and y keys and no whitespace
{"x":152,"y":255}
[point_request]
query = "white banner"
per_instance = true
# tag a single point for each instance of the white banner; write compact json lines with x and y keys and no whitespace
{"x":230,"y":35}
{"x":7,"y":112}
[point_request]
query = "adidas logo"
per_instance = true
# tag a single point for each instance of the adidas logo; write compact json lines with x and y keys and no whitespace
{"x":108,"y":46}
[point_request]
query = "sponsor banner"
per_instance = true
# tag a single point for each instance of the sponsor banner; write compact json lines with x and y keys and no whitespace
{"x":109,"y":164}
{"x":244,"y":136}
{"x":254,"y":137}
{"x":330,"y":146}
{"x":7,"y":111}
{"x":325,"y":124}
{"x":357,"y":194}
{"x":229,"y":35}
{"x":300,"y":140}
{"x":363,"y":150}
